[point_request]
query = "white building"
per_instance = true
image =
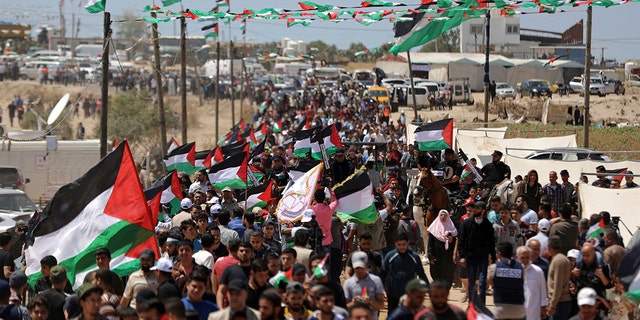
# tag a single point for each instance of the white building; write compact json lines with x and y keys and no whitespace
{"x":293,"y":47}
{"x":504,"y":34}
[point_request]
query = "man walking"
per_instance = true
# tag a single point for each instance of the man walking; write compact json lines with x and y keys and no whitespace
{"x":558,"y":282}
{"x":507,"y":278}
{"x":535,"y":288}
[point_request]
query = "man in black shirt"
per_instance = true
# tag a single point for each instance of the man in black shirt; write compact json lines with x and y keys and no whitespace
{"x":167,"y":288}
{"x":451,"y":170}
{"x":440,"y":309}
{"x":55,"y":295}
{"x":241,"y":271}
{"x":5,"y":257}
{"x":496,"y":171}
{"x":258,"y":283}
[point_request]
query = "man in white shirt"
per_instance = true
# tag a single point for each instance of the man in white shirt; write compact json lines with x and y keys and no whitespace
{"x":535,"y":286}
{"x":529,"y":216}
{"x":200,"y":183}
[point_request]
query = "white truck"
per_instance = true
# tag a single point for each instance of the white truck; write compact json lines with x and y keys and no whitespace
{"x":49,"y":164}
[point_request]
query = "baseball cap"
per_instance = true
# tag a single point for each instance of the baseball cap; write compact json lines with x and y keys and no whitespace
{"x":186,"y":204}
{"x":256,"y":211}
{"x":215,"y":209}
{"x":573,"y":253}
{"x":587,"y":296}
{"x":17,"y":279}
{"x":171,"y":240}
{"x":295,"y":286}
{"x":298,"y":267}
{"x":164,"y":265}
{"x":544,"y":225}
{"x":307,"y":215}
{"x":227,"y":189}
{"x":86,"y":289}
{"x":238,"y":285}
{"x":147,"y":254}
{"x":58,"y":273}
{"x":359,"y":259}
{"x":417,"y":285}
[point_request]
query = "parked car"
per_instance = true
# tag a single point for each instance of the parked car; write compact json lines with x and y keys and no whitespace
{"x":535,"y":88}
{"x":569,"y":154}
{"x":576,"y":85}
{"x":15,"y":205}
{"x":11,"y":178}
{"x":614,"y":86}
{"x":505,"y":90}
{"x":597,"y":87}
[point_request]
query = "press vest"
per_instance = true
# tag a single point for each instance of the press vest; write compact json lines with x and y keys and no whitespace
{"x":508,"y":282}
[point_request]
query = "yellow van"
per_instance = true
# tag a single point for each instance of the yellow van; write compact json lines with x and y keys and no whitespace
{"x":380,"y":94}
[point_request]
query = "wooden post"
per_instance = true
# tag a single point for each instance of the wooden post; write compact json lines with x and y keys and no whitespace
{"x":105,"y":85}
{"x":160,"y":93}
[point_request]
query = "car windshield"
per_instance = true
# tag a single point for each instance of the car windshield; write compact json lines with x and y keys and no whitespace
{"x":16,"y":202}
{"x":502,"y":86}
{"x":539,"y":84}
{"x":378,"y":93}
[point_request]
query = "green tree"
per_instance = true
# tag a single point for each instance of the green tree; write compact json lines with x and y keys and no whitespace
{"x":136,"y":119}
{"x":446,"y":42}
{"x":130,"y":29}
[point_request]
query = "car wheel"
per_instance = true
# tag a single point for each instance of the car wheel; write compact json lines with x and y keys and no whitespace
{"x":23,"y":76}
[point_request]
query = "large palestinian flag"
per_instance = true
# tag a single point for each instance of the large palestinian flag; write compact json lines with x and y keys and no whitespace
{"x":105,"y":208}
{"x":331,"y":140}
{"x":355,"y":199}
{"x":182,"y":158}
{"x":261,"y":133}
{"x":256,"y":197}
{"x":303,"y":166}
{"x":232,"y":172}
{"x":435,"y":136}
{"x":204,"y":160}
{"x":171,"y":193}
{"x":302,"y":147}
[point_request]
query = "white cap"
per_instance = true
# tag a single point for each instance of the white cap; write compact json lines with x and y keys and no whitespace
{"x":359,"y":259}
{"x":587,"y":296}
{"x":544,"y":225}
{"x":213,"y":200}
{"x":164,"y":265}
{"x":186,"y":204}
{"x":307,"y":215}
{"x":215,"y":208}
{"x":573,"y":253}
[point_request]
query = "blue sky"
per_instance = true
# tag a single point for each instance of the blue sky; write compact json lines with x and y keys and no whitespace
{"x":612,"y":27}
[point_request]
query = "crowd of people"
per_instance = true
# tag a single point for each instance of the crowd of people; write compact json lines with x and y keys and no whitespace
{"x":537,"y":256}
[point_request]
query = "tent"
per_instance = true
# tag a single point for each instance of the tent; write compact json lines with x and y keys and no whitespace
{"x":616,"y":201}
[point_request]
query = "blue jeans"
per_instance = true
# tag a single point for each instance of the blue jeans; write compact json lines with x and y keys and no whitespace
{"x":477,"y":269}
{"x":562,"y":311}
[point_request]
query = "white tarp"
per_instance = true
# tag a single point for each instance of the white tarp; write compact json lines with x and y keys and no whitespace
{"x":617,"y":202}
{"x":497,"y":133}
{"x":576,"y":168}
{"x":482,"y":147}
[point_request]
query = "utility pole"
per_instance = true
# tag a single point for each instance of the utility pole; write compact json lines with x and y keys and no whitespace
{"x":160,"y":94}
{"x":486,"y":69}
{"x":217,"y":89}
{"x":587,"y":76}
{"x":233,"y":105}
{"x":413,"y":91}
{"x":63,"y":28}
{"x":183,"y":77}
{"x":105,"y":84}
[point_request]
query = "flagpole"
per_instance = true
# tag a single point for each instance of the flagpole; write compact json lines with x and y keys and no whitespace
{"x":217,"y":87}
{"x":486,"y":70}
{"x":183,"y":77}
{"x":105,"y":85}
{"x":413,"y":91}
{"x":587,"y":76}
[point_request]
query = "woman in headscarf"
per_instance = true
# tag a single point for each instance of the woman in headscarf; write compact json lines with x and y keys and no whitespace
{"x":532,"y":188}
{"x":442,"y":241}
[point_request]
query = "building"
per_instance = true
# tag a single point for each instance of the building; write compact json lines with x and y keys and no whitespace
{"x":507,"y":38}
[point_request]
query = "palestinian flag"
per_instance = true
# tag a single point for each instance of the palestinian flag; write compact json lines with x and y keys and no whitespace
{"x":171,"y":192}
{"x":256,"y":197}
{"x":281,"y":279}
{"x":166,"y":3}
{"x":422,"y":29}
{"x":234,"y":148}
{"x":261,"y":133}
{"x":321,"y":269}
{"x":232,"y":172}
{"x":252,"y":138}
{"x":619,"y":171}
{"x":95,"y":6}
{"x":173,"y":144}
{"x":435,"y":136}
{"x":595,"y":232}
{"x":478,"y":311}
{"x":203,"y":160}
{"x":302,"y":147}
{"x":256,"y":173}
{"x":257,"y":150}
{"x":355,"y":199}
{"x":554,"y":59}
{"x":629,"y":273}
{"x":277,"y":127}
{"x":217,"y":155}
{"x":331,"y":140}
{"x":466,"y":171}
{"x":105,"y":208}
{"x":303,"y":166}
{"x":182,"y":159}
